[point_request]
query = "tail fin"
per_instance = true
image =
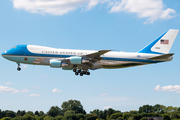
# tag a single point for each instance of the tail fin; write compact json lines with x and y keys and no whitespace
{"x":161,"y":45}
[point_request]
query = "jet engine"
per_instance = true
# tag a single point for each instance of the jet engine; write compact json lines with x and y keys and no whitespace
{"x":57,"y":64}
{"x":78,"y":60}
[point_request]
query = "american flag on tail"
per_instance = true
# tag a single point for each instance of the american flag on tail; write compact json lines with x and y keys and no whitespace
{"x":164,"y":42}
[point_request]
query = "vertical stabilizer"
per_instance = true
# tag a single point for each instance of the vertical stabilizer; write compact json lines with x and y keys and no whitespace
{"x":161,"y":45}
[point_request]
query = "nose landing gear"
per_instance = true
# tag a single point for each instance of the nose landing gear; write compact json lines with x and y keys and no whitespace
{"x":19,"y":69}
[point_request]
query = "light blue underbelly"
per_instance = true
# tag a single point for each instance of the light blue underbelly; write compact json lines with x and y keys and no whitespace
{"x":19,"y":59}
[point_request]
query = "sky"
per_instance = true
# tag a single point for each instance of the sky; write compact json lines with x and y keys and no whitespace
{"x":120,"y":25}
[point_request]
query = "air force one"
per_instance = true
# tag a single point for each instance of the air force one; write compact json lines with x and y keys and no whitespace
{"x":81,"y":61}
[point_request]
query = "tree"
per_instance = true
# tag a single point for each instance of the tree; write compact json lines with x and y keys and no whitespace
{"x":179,"y":109}
{"x":18,"y":113}
{"x":74,"y":105}
{"x":41,"y":113}
{"x":115,"y":115}
{"x":91,"y":116}
{"x":166,"y":117}
{"x":54,"y":111}
{"x":159,"y":108}
{"x":30,"y":113}
{"x":134,"y":112}
{"x":6,"y":118}
{"x":69,"y":112}
{"x":96,"y":111}
{"x":36,"y":113}
{"x":149,"y":114}
{"x":59,"y":117}
{"x":171,"y":109}
{"x":126,"y":116}
{"x":146,"y":109}
{"x":41,"y":117}
{"x":10,"y":114}
{"x":130,"y":118}
{"x":144,"y":118}
{"x":70,"y":117}
{"x":28,"y":117}
{"x":17,"y":118}
{"x":2,"y":114}
{"x":137,"y":117}
{"x":23,"y":113}
{"x":175,"y":115}
{"x":110,"y":111}
{"x":101,"y":114}
{"x":80,"y":115}
{"x":48,"y":118}
{"x":120,"y":118}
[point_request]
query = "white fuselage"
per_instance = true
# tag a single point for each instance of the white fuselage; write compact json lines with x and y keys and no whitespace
{"x":40,"y":55}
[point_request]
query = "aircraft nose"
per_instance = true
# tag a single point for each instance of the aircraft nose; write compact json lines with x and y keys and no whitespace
{"x":4,"y":53}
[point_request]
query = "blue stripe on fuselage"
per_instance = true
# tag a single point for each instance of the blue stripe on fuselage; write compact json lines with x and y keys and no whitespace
{"x":130,"y":60}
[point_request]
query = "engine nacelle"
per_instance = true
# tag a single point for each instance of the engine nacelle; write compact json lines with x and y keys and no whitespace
{"x":57,"y":64}
{"x":78,"y":60}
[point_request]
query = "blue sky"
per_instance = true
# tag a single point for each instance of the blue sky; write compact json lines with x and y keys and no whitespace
{"x":124,"y":25}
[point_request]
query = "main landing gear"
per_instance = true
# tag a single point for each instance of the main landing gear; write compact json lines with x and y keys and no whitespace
{"x":77,"y":72}
{"x":19,"y":69}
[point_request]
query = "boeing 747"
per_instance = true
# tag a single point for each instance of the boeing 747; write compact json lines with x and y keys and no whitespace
{"x":81,"y":61}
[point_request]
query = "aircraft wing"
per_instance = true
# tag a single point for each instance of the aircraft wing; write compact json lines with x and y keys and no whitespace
{"x":92,"y":58}
{"x":95,"y":56}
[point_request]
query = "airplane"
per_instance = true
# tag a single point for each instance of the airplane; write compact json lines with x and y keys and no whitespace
{"x":81,"y":61}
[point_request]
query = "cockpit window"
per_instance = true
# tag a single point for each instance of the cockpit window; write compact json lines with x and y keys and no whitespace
{"x":14,"y":46}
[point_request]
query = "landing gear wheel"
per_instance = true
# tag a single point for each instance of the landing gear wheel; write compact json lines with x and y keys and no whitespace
{"x":74,"y":70}
{"x":87,"y":73}
{"x":81,"y":74}
{"x":19,"y":69}
{"x":79,"y":70}
{"x":76,"y":73}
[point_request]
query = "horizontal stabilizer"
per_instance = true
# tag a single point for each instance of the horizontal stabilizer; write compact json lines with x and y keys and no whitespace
{"x":164,"y":56}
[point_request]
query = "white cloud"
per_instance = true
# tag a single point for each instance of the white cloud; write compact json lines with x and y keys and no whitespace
{"x":24,"y":66}
{"x":54,"y":7}
{"x":151,"y":9}
{"x":56,"y":90}
{"x":8,"y":89}
{"x":104,"y":94}
{"x":107,"y":107}
{"x":24,"y":90}
{"x":36,"y":95}
{"x":8,"y":83}
{"x":36,"y":86}
{"x":175,"y":88}
{"x":16,"y":91}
